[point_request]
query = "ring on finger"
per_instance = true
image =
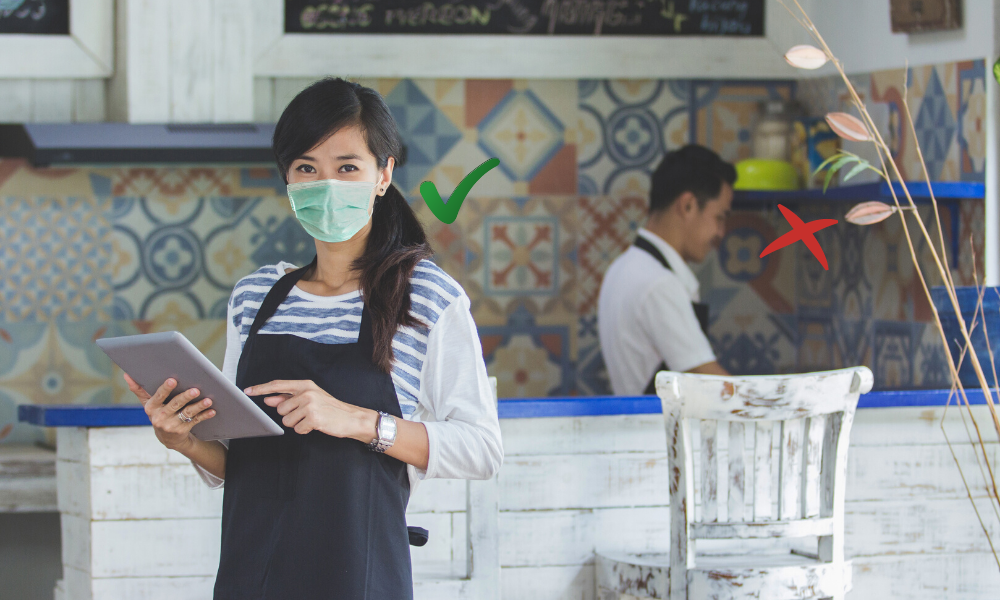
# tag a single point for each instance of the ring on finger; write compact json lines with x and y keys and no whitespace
{"x":184,"y":417}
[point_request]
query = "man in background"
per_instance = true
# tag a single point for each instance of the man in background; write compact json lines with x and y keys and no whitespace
{"x":650,"y":315}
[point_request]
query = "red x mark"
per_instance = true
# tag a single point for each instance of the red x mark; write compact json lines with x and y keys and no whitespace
{"x":801,"y":231}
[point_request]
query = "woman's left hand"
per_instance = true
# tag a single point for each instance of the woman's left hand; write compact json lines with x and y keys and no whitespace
{"x":306,"y":407}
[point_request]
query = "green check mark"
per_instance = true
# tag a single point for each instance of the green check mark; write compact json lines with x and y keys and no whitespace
{"x":447,"y":212}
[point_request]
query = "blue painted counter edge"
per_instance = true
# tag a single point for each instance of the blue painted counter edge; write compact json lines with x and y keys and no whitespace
{"x":82,"y":416}
{"x":513,"y":408}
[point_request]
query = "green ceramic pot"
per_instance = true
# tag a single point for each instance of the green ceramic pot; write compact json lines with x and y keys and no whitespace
{"x":766,"y":174}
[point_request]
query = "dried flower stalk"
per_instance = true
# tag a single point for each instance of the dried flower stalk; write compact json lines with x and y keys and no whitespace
{"x":864,"y":129}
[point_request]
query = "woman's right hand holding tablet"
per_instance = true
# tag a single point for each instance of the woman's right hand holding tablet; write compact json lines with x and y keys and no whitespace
{"x":173,"y":421}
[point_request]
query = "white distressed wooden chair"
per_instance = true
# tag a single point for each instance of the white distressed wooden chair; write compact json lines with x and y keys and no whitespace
{"x":479,"y":577}
{"x":795,"y":490}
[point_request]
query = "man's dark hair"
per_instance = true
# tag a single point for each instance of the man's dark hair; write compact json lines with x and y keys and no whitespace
{"x":694,"y":169}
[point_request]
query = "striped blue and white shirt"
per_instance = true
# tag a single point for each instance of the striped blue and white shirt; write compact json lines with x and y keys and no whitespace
{"x":439,"y":373}
{"x":337,"y":319}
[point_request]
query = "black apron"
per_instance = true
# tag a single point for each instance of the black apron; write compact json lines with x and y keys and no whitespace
{"x":700,"y":308}
{"x":313,"y":516}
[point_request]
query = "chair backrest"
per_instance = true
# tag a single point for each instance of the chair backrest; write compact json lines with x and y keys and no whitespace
{"x":753,"y":430}
{"x":483,"y":533}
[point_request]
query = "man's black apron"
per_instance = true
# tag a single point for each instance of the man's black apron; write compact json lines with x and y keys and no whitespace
{"x":700,"y":308}
{"x":313,"y":516}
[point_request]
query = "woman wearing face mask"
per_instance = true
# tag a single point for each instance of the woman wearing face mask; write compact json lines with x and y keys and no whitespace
{"x":369,"y":359}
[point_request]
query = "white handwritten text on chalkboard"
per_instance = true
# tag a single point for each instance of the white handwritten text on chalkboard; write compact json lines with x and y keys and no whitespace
{"x":532,"y":17}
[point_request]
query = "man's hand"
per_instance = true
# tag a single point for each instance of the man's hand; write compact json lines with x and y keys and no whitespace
{"x":712,"y":368}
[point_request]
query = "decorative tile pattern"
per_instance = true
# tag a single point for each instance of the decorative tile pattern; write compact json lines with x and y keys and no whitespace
{"x":852,"y":339}
{"x":169,"y":186}
{"x":521,"y":122}
{"x":55,"y":258}
{"x":858,"y":312}
{"x":972,"y":119}
{"x":528,"y":359}
{"x":931,"y":364}
{"x":591,"y":371}
{"x":92,"y":252}
{"x":520,"y":253}
{"x":935,"y":125}
{"x":523,"y":256}
{"x":178,"y":253}
{"x":889,"y":267}
{"x":50,"y":363}
{"x":894,"y":353}
{"x":746,"y":339}
{"x":607,"y":227}
{"x":520,"y":274}
{"x":888,"y":91}
{"x":815,"y":337}
{"x":427,"y":131}
{"x":723,"y":113}
{"x":740,"y":252}
{"x":624,"y":128}
{"x":952,"y":91}
{"x":448,"y":241}
{"x":972,"y":230}
{"x":522,"y":133}
{"x":951,"y":98}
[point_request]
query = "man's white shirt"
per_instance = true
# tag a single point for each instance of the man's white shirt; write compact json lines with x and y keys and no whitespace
{"x":645,"y":317}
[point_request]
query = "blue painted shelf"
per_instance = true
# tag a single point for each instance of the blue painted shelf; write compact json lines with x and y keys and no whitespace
{"x":948,"y":193}
{"x":944,"y":190}
{"x":509,"y":408}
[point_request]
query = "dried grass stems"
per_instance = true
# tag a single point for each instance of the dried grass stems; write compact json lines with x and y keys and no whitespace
{"x":864,"y":129}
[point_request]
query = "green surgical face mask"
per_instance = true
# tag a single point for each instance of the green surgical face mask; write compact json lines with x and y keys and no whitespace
{"x":331,"y":210}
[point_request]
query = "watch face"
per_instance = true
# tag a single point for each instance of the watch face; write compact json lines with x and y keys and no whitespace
{"x":387,"y":427}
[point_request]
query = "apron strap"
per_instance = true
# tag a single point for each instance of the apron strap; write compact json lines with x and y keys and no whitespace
{"x":644,"y":244}
{"x":651,"y":386}
{"x":277,"y":294}
{"x":700,"y":308}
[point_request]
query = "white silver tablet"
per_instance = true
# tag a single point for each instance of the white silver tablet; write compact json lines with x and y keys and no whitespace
{"x":152,"y":358}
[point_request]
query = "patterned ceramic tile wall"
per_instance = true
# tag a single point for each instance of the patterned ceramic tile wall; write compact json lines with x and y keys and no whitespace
{"x":947,"y":103}
{"x":87,"y":253}
{"x":90,"y":252}
{"x":785,"y":313}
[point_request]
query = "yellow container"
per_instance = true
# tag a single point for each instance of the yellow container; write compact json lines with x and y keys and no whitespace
{"x":766,"y":174}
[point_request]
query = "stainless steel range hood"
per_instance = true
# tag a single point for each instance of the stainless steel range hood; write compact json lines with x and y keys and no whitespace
{"x":46,"y":144}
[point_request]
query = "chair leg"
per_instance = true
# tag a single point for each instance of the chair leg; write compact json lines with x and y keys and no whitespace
{"x":606,"y":594}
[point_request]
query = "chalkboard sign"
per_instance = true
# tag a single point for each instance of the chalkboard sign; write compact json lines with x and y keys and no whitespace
{"x":34,"y":16}
{"x":528,"y":17}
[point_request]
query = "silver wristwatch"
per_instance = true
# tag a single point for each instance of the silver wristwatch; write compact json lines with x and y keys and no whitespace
{"x":386,"y":430}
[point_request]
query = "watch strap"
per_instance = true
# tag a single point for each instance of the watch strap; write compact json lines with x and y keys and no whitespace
{"x":380,"y":444}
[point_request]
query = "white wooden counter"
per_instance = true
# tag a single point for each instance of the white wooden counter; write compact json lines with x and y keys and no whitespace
{"x":27,"y":479}
{"x":138,"y":523}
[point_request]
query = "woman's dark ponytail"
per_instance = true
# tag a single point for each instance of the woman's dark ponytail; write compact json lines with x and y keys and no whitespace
{"x":396,"y":244}
{"x":396,"y":241}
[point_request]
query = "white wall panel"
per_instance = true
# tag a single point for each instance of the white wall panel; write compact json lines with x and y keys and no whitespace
{"x":569,"y":487}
